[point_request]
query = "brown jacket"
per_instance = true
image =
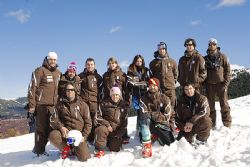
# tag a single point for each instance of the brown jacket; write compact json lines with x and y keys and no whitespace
{"x":192,"y":69}
{"x":191,"y":109}
{"x":164,"y":69}
{"x":91,"y":86}
{"x":115,"y":78}
{"x":76,"y":82}
{"x":218,"y":69}
{"x":159,"y":108}
{"x":114,"y":115}
{"x":43,"y":88}
{"x":72,"y":115}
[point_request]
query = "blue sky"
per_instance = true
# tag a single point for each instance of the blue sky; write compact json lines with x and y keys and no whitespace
{"x":78,"y":29}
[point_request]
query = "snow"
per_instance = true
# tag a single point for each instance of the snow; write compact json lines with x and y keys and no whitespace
{"x":225,"y":147}
{"x":237,"y":67}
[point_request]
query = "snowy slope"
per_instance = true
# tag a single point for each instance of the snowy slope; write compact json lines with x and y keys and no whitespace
{"x":226,"y":147}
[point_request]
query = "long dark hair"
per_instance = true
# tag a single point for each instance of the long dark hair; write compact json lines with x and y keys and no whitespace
{"x":138,"y":57}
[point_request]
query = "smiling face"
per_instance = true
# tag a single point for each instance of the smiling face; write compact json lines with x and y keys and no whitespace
{"x":70,"y":92}
{"x":189,"y":90}
{"x":90,"y":66}
{"x":52,"y":62}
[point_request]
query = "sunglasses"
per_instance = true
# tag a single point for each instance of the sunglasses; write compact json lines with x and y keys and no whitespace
{"x":70,"y":90}
{"x":212,"y":44}
{"x":187,"y":44}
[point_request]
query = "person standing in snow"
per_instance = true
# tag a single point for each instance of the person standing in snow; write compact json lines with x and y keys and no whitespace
{"x":138,"y":76}
{"x":70,"y":76}
{"x":111,"y":123}
{"x":191,"y":66}
{"x":192,"y":116}
{"x":165,"y":70}
{"x":71,"y":113}
{"x":218,"y":79}
{"x":42,"y":97}
{"x":158,"y":119}
{"x":116,"y":77}
{"x":91,"y":88}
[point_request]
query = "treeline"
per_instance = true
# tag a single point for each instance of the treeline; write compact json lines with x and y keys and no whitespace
{"x":239,"y":86}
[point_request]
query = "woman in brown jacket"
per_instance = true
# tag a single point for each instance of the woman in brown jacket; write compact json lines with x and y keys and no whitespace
{"x":116,"y":77}
{"x":112,"y":123}
{"x":71,"y":114}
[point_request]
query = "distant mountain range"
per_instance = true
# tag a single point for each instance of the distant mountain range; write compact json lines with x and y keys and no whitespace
{"x":15,"y":108}
{"x":236,"y":69}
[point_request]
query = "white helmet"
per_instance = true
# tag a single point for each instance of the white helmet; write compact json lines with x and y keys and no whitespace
{"x":75,"y":136}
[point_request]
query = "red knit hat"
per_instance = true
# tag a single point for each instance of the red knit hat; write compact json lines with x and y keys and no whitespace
{"x":154,"y":81}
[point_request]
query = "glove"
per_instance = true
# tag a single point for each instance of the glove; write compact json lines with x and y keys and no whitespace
{"x":31,"y":118}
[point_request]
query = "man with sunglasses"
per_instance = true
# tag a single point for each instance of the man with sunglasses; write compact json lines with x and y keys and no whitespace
{"x":218,"y":79}
{"x":191,"y":66}
{"x":71,"y":113}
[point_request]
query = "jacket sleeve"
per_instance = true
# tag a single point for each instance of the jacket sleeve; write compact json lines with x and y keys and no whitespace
{"x":55,"y":121}
{"x":33,"y":86}
{"x":175,"y":71}
{"x":99,"y":117}
{"x":227,"y":72}
{"x":123,"y":124}
{"x":204,"y":111}
{"x":179,"y":117}
{"x":202,"y":69}
{"x":87,"y":121}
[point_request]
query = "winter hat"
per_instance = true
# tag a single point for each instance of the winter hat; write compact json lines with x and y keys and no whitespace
{"x":154,"y":81}
{"x":190,"y":40}
{"x":52,"y":55}
{"x":162,"y":45}
{"x":213,"y":40}
{"x":115,"y":90}
{"x":72,"y":66}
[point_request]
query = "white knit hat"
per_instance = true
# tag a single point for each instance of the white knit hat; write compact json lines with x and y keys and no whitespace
{"x":115,"y":90}
{"x":52,"y":55}
{"x":213,"y":40}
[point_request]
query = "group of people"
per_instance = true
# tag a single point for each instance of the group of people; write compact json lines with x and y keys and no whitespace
{"x":97,"y":106}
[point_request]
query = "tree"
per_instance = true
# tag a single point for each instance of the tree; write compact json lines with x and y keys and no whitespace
{"x":239,"y":86}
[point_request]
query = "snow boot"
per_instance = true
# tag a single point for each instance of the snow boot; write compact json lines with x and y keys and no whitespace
{"x":65,"y":152}
{"x":99,"y":153}
{"x":147,"y":149}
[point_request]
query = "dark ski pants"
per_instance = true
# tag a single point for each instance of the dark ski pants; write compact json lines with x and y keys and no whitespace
{"x":82,"y":151}
{"x":221,"y":92}
{"x":42,"y":127}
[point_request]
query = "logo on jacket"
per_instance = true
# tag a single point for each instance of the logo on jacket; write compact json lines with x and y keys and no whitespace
{"x":49,"y":78}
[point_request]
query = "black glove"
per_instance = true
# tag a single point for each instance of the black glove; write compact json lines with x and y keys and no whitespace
{"x":31,"y":118}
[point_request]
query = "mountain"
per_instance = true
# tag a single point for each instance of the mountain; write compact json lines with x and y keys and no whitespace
{"x":13,"y":108}
{"x":236,"y":70}
{"x":225,"y":147}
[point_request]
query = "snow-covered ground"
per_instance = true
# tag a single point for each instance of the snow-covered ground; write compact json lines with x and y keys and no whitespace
{"x":226,"y":147}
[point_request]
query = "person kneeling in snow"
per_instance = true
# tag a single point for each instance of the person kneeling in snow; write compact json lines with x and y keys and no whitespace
{"x":193,"y":116}
{"x":71,"y":113}
{"x":157,"y":117}
{"x":111,"y":123}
